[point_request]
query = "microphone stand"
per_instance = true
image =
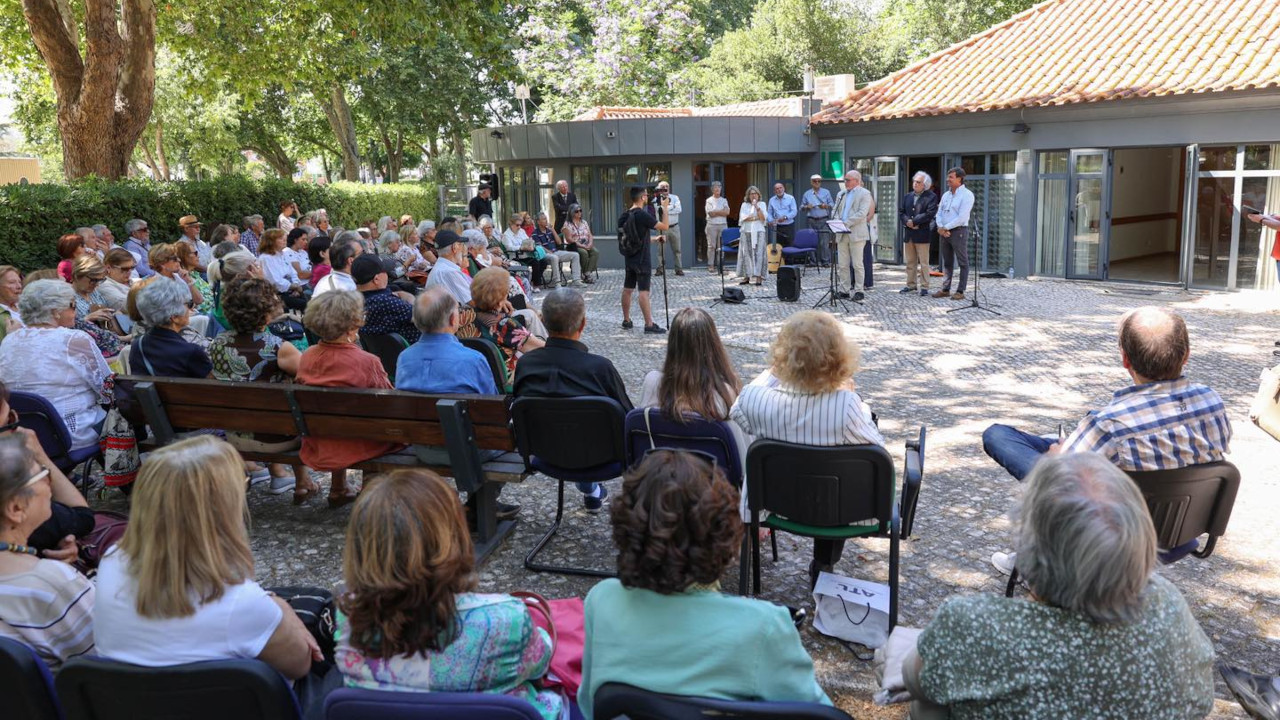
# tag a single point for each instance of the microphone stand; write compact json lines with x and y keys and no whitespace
{"x":832,"y":296}
{"x":974,"y":304}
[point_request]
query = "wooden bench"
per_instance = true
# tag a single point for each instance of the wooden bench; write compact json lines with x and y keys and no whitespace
{"x":464,"y":425}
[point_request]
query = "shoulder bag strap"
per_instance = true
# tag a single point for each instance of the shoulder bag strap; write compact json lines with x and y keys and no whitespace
{"x":141,"y":352}
{"x":649,"y":429}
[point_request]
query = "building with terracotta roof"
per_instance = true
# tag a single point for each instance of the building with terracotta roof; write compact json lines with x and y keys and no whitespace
{"x":1102,"y":140}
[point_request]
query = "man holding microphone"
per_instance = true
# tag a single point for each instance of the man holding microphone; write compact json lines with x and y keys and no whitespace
{"x":669,"y":206}
{"x":817,"y":203}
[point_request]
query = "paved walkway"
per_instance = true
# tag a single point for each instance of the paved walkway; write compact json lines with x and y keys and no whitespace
{"x":1050,"y":357}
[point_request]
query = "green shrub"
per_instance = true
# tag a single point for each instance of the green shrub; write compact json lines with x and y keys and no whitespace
{"x":32,"y":217}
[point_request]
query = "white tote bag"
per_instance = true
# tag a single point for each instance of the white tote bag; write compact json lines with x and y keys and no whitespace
{"x":851,"y":609}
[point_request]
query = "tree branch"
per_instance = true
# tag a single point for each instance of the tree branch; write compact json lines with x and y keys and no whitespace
{"x":53,"y":34}
{"x":138,"y":75}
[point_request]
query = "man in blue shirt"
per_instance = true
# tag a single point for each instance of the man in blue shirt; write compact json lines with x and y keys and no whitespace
{"x":439,"y":362}
{"x":782,"y":215}
{"x":817,"y":202}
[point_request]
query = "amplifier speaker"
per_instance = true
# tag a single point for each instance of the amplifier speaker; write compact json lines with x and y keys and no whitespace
{"x":789,"y":283}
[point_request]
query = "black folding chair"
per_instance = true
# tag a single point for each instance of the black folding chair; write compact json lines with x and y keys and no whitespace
{"x":819,"y":492}
{"x":26,"y":686}
{"x":1184,"y":503}
{"x":96,"y":689}
{"x":617,"y":700}
{"x":493,"y":356}
{"x":387,"y":346}
{"x":569,"y":440}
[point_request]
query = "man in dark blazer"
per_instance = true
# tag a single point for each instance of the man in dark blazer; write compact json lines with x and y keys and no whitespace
{"x":915,"y":212}
{"x":561,"y":202}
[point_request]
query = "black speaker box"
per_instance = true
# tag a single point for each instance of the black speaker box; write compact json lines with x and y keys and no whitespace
{"x":789,"y":283}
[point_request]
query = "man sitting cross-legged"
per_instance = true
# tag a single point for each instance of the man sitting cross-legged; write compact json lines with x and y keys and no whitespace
{"x":1163,"y":421}
{"x":564,"y":368}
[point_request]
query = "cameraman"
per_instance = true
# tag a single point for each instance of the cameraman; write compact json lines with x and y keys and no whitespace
{"x":662,"y":200}
{"x":639,"y":266}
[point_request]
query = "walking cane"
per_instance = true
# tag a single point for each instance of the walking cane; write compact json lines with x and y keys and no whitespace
{"x":666,"y":310}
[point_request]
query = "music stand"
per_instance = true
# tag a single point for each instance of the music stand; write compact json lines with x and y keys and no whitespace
{"x":832,"y":296}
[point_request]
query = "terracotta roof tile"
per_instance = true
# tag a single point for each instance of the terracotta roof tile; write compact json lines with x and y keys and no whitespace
{"x":1063,"y":52}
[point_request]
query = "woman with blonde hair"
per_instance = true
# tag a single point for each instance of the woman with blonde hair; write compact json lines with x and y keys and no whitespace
{"x":751,"y":247}
{"x":808,"y":397}
{"x":484,"y":317}
{"x":409,"y":618}
{"x":190,"y":261}
{"x":179,"y":586}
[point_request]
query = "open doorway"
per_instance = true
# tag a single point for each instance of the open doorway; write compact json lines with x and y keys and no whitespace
{"x":1146,"y":214}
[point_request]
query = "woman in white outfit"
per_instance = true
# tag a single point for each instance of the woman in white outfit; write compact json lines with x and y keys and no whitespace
{"x":751,"y":249}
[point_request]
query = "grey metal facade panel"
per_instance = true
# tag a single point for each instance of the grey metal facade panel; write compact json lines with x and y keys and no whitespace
{"x":688,"y":136}
{"x":478,"y":150}
{"x":606,"y":135}
{"x":558,"y":141}
{"x":791,"y":136}
{"x":537,"y":142}
{"x":659,"y":136}
{"x":519,"y":135}
{"x":631,"y":140}
{"x":581,"y":139}
{"x":766,"y":135}
{"x":742,"y":135}
{"x":715,"y":136}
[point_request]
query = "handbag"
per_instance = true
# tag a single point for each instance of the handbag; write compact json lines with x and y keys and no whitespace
{"x":108,"y":528}
{"x":564,"y":622}
{"x":1265,"y":411}
{"x":119,"y":445}
{"x":852,"y":610}
{"x":286,"y":328}
{"x":314,"y":607}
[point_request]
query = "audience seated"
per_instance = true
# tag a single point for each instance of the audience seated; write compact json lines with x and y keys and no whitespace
{"x":1162,"y":421}
{"x":487,"y":316}
{"x":70,"y":247}
{"x":44,"y":603}
{"x":385,"y":312}
{"x":277,"y":270}
{"x":409,"y":618}
{"x":545,"y":237}
{"x":448,"y":271}
{"x":427,"y":241}
{"x":254,"y":226}
{"x":663,"y":624}
{"x":179,"y":586}
{"x":1100,"y":628}
{"x":337,"y":361}
{"x":808,"y":397}
{"x":190,"y":262}
{"x":318,"y":256}
{"x":577,"y":237}
{"x":438,"y":362}
{"x":343,"y":251}
{"x":408,"y":252}
{"x":121,"y":272}
{"x":247,"y":352}
{"x":190,"y":226}
{"x":10,"y":291}
{"x":295,"y":253}
{"x":164,"y":306}
{"x":93,"y":315}
{"x":164,"y":260}
{"x":50,"y":358}
{"x":565,"y":368}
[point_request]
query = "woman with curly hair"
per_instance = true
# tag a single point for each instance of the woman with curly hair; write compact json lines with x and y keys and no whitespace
{"x":808,"y":397}
{"x":409,"y":618}
{"x":484,"y":317}
{"x":677,"y":530}
{"x":249,"y":353}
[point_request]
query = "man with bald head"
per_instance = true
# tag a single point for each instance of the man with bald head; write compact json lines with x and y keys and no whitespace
{"x":438,"y":362}
{"x":1161,"y":421}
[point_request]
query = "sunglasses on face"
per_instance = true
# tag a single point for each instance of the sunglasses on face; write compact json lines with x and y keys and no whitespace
{"x":10,"y":423}
{"x":96,"y":280}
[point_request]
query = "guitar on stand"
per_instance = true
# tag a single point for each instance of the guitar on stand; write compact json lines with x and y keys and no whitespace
{"x":775,"y":251}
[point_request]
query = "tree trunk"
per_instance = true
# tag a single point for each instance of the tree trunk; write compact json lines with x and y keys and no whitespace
{"x":334,"y":101}
{"x":460,"y":151}
{"x":105,"y":97}
{"x":151,"y":161}
{"x":395,"y":150}
{"x":160,"y":156}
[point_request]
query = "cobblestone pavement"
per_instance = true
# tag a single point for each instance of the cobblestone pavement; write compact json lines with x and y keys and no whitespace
{"x":1049,"y":358}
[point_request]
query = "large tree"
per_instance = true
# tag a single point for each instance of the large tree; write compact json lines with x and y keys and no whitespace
{"x":105,"y":90}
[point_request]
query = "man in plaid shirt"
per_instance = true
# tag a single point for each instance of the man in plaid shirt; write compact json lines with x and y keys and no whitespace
{"x":1162,"y":421}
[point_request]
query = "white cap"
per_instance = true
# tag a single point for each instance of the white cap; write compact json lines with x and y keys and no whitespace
{"x":815,"y":177}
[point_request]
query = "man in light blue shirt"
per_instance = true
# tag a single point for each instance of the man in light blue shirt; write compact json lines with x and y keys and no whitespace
{"x":817,"y":202}
{"x":782,"y":215}
{"x":447,"y":272}
{"x":438,"y":362}
{"x":952,"y":222}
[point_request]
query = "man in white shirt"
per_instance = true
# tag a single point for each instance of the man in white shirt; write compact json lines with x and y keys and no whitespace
{"x":451,"y":252}
{"x":852,"y":205}
{"x":717,"y":221}
{"x":342,"y":253}
{"x":671,"y":236}
{"x":190,"y":225}
{"x":952,"y":222}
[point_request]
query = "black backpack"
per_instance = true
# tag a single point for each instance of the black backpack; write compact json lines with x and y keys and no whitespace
{"x":631,"y":235}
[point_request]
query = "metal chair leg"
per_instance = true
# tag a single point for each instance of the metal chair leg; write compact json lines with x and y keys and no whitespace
{"x":773,"y":540}
{"x":755,"y":562}
{"x":1013,"y":583}
{"x":546,"y":538}
{"x":744,"y":564}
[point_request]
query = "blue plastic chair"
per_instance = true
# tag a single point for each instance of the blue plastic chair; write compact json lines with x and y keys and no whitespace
{"x":729,"y":239}
{"x":359,"y":704}
{"x":26,"y":684}
{"x":569,"y":440}
{"x":41,"y":417}
{"x":803,"y":247}
{"x":695,"y":433}
{"x":615,"y":700}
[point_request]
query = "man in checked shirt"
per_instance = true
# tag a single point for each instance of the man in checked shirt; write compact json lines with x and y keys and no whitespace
{"x":1163,"y":421}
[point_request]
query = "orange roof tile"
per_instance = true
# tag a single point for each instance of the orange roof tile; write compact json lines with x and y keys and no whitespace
{"x":1063,"y":52}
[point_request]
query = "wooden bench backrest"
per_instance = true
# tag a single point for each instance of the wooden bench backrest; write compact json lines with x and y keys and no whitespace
{"x":357,"y":414}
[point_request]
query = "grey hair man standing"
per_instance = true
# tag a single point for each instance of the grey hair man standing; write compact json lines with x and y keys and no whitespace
{"x":916,"y":211}
{"x":852,"y":205}
{"x":671,"y":216}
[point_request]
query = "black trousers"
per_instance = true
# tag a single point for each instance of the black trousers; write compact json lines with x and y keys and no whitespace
{"x":786,"y":234}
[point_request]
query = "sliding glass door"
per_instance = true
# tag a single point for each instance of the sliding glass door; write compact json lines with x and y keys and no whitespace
{"x":1088,"y":219}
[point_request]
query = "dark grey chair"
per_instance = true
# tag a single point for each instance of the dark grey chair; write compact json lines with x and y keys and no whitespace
{"x":616,"y":700}
{"x":26,"y":687}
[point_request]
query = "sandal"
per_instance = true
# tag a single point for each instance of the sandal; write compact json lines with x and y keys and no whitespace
{"x":337,"y":501}
{"x":300,"y":497}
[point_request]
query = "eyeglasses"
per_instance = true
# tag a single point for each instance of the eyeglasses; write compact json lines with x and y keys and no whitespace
{"x":44,"y":473}
{"x":11,"y":423}
{"x":72,"y":305}
{"x":96,"y":280}
{"x":191,"y":304}
{"x":125,"y":268}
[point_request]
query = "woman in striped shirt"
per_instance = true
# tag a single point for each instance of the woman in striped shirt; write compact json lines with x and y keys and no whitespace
{"x":808,"y":397}
{"x":44,"y":604}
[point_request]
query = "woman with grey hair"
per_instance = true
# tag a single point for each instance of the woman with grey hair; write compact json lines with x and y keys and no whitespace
{"x":164,"y":306}
{"x":578,"y":238}
{"x":50,"y":358}
{"x":1100,"y":628}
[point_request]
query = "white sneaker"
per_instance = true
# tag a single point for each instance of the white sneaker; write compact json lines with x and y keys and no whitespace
{"x":1004,"y":562}
{"x":282,"y":485}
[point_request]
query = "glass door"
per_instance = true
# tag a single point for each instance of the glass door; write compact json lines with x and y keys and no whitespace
{"x":1089,"y":217}
{"x":1190,"y":214}
{"x":704,"y":173}
{"x":886,"y":190}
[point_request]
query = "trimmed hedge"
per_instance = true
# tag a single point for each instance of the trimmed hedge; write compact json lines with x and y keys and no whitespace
{"x":32,"y":217}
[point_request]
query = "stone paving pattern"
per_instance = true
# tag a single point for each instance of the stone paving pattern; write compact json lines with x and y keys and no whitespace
{"x":1049,"y":358}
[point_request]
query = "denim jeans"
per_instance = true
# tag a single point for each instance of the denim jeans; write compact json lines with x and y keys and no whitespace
{"x":1013,"y":449}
